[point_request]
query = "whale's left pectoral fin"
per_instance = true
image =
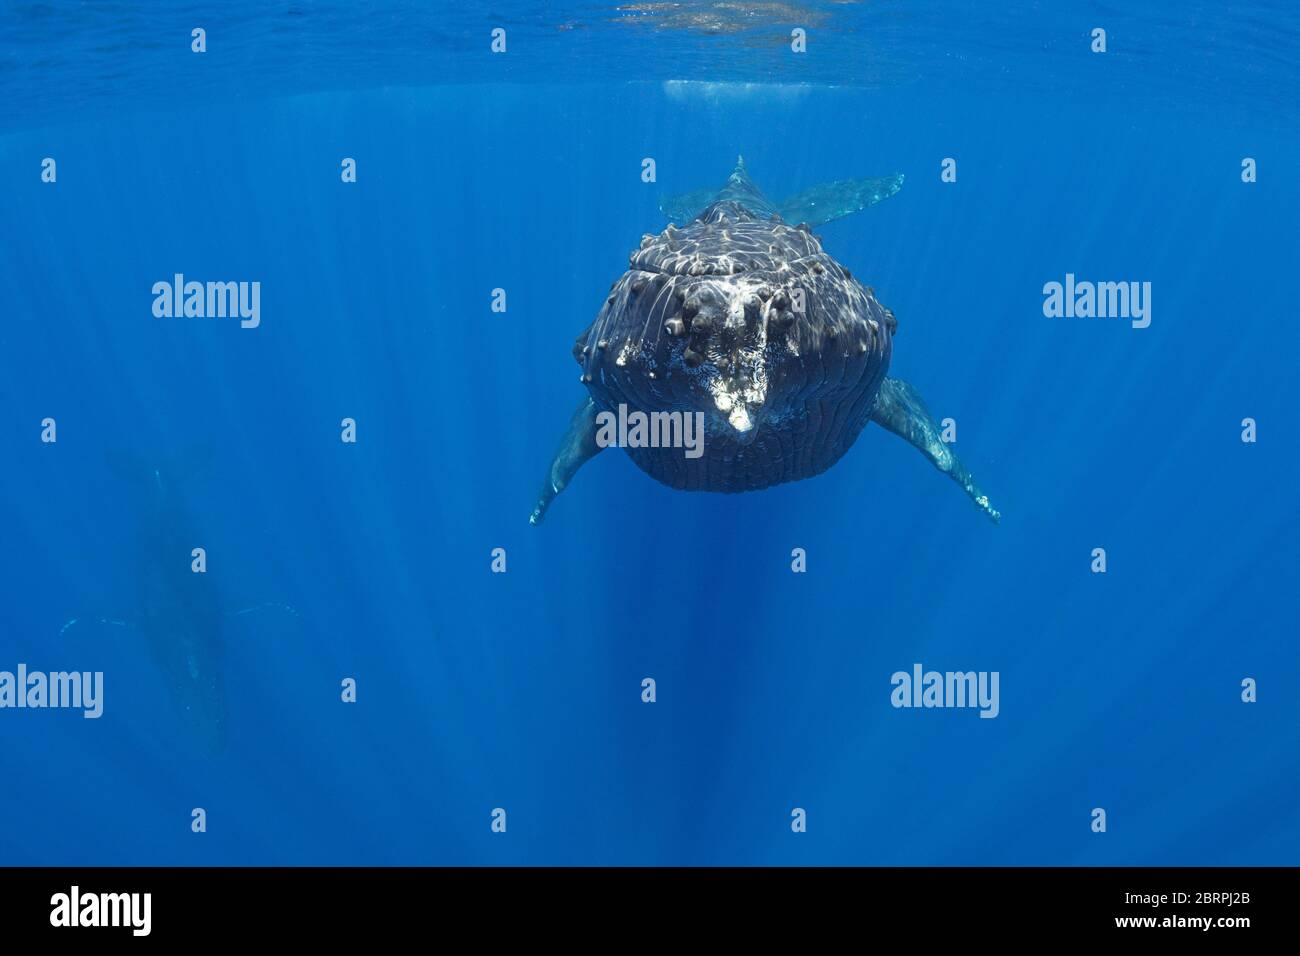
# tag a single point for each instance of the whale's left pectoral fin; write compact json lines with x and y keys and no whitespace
{"x":899,"y":408}
{"x":826,"y":201}
{"x":576,"y":448}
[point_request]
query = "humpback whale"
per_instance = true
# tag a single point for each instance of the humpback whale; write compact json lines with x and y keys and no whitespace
{"x":179,"y":613}
{"x":746,"y":319}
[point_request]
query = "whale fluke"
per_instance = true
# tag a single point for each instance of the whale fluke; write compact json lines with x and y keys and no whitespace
{"x":687,"y":206}
{"x":814,"y":206}
{"x":822,"y":203}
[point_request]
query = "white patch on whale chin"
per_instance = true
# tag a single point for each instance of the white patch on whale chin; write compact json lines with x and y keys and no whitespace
{"x":739,"y":419}
{"x":729,"y":396}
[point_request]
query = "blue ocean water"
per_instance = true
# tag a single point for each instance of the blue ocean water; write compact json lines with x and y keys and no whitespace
{"x":522,"y":691}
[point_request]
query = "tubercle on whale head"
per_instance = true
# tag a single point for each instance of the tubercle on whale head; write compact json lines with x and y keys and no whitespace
{"x":691,"y":319}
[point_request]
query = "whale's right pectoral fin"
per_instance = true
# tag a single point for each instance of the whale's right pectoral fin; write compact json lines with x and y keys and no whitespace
{"x":576,"y":448}
{"x":900,"y":409}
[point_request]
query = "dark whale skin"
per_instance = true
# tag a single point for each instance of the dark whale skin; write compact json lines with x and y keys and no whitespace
{"x":706,"y":319}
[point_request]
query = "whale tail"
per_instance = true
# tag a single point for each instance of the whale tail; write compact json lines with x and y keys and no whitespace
{"x":816,"y":205}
